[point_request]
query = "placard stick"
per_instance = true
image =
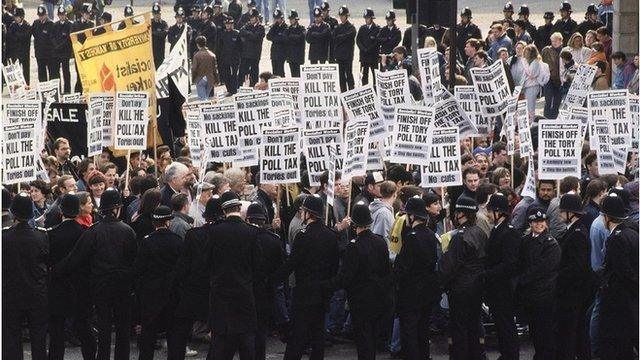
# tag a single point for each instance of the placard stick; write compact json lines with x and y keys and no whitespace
{"x":155,"y":150}
{"x":444,"y":221}
{"x":349,"y":201}
{"x":286,"y":189}
{"x":512,"y":171}
{"x":277,"y":214}
{"x":95,"y":160}
{"x":326,"y":215}
{"x":126,"y":174}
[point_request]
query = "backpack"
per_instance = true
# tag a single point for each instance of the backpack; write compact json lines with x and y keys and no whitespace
{"x":545,"y":74}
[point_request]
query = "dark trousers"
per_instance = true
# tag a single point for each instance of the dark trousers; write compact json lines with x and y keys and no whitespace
{"x":572,"y":330}
{"x":345,"y":70}
{"x":552,"y":98}
{"x":57,"y":336}
{"x":229,"y":73}
{"x":115,"y":312}
{"x":414,"y":332}
{"x":503,"y":312}
{"x":181,"y":335}
{"x":12,"y":332}
{"x":366,"y":329}
{"x":540,"y":318}
{"x":248,"y":67}
{"x":464,"y":312}
{"x":46,"y":69}
{"x":617,"y":348}
{"x":321,"y":61}
{"x":151,"y":326}
{"x":278,"y":67}
{"x":226,"y":345}
{"x":62,"y":64}
{"x":295,"y":69}
{"x":307,"y":328}
{"x":365,"y":68}
{"x":261,"y":340}
{"x":26,"y":68}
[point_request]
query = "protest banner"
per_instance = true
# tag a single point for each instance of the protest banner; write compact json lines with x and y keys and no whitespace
{"x":94,"y":128}
{"x":577,"y":113}
{"x":279,"y":155}
{"x":316,"y":145}
{"x":331,"y":181}
{"x":524,"y":129}
{"x":363,"y":103}
{"x":634,"y":109}
{"x":19,"y":148}
{"x":132,"y":119}
{"x":252,"y":113}
{"x":282,"y":117}
{"x":49,"y":91}
{"x":599,"y":130}
{"x":492,"y":89}
{"x":196,"y":105}
{"x":429,"y":68}
{"x":509,"y":126}
{"x":393,"y":90}
{"x":14,"y":79}
{"x":70,"y":122}
{"x":612,"y":107}
{"x":443,"y":163}
{"x":245,"y":90}
{"x":410,"y":143}
{"x":73,"y":98}
{"x":175,"y":67}
{"x":374,"y":156}
{"x":319,"y":96}
{"x":41,"y":171}
{"x":108,"y":104}
{"x":356,"y":138}
{"x":220,"y":133}
{"x":449,"y":113}
{"x":194,"y":137}
{"x":559,"y":149}
{"x":468,"y":100}
{"x":529,"y":188}
{"x":580,"y":87}
{"x":287,"y":85}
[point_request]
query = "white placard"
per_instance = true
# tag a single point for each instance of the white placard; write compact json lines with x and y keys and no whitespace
{"x":410,"y":143}
{"x":108,"y":104}
{"x":393,"y":90}
{"x":356,"y":138}
{"x":316,"y":145}
{"x":19,"y":149}
{"x":175,"y":67}
{"x":252,"y":113}
{"x":220,"y":133}
{"x":449,"y":113}
{"x":331,"y":181}
{"x":599,"y":130}
{"x":280,"y":155}
{"x":132,"y":120}
{"x":429,"y":68}
{"x":194,"y":137}
{"x":443,"y":168}
{"x":290,"y":86}
{"x":73,"y":98}
{"x":612,"y":107}
{"x":363,"y":103}
{"x":468,"y":100}
{"x":509,"y":124}
{"x":282,"y":111}
{"x":14,"y":78}
{"x":529,"y":188}
{"x":524,"y":129}
{"x":374,"y":156}
{"x":577,"y":113}
{"x":580,"y":87}
{"x":492,"y":88}
{"x":559,"y":149}
{"x":634,"y":109}
{"x":95,"y":127}
{"x":319,"y":97}
{"x":49,"y":91}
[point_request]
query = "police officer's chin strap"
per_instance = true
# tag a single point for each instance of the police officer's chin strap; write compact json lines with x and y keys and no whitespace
{"x":305,"y":218}
{"x":569,"y":216}
{"x":458,"y":217}
{"x":497,"y":216}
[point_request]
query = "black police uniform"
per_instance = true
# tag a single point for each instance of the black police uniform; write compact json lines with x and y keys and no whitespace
{"x":194,"y":26}
{"x":332,"y":22}
{"x":618,"y":326}
{"x":367,"y":40}
{"x":218,"y":20}
{"x":422,"y":35}
{"x":543,"y":36}
{"x":69,"y":296}
{"x":502,"y":265}
{"x":80,"y":25}
{"x":277,"y":36}
{"x":62,"y":52}
{"x":464,"y":33}
{"x":344,"y":36}
{"x":159,"y":31}
{"x":235,"y":10}
{"x":318,"y":36}
{"x":234,"y":259}
{"x":209,"y":30}
{"x":230,"y":60}
{"x":19,"y":46}
{"x":243,"y":20}
{"x":437,"y":33}
{"x":156,"y":291}
{"x":461,"y":267}
{"x":295,"y":36}
{"x":418,"y":289}
{"x":539,"y":260}
{"x":313,"y":259}
{"x":566,"y":28}
{"x":389,"y":38}
{"x":252,"y":37}
{"x":25,"y":252}
{"x":530,"y":28}
{"x":174,"y":32}
{"x":110,"y":246}
{"x":43,"y":36}
{"x":587,"y":25}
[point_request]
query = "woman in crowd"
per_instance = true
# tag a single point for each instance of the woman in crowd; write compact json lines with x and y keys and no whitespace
{"x":97,"y":186}
{"x":39,"y":191}
{"x":579,"y":52}
{"x":517,"y":63}
{"x":531,"y":86}
{"x":85,"y":217}
{"x":501,"y":177}
{"x":142,"y":220}
{"x":589,"y":38}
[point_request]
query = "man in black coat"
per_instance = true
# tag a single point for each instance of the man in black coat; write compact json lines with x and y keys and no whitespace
{"x":543,"y":34}
{"x":343,"y":37}
{"x":318,"y":36}
{"x":565,"y":25}
{"x":422,"y":35}
{"x":252,"y":35}
{"x":208,"y":28}
{"x":313,"y":260}
{"x":235,"y":261}
{"x":25,"y":252}
{"x":194,"y":21}
{"x":159,"y":30}
{"x":83,"y":23}
{"x":175,"y":30}
{"x":591,"y":21}
{"x":389,"y":36}
{"x":244,"y":18}
{"x":295,"y":35}
{"x":367,"y":40}
{"x":111,"y":247}
{"x":43,"y":36}
{"x":466,"y":30}
{"x":231,"y":50}
{"x":62,"y":48}
{"x":156,"y":291}
{"x":278,"y":38}
{"x":19,"y":42}
{"x":69,"y":296}
{"x":502,"y":266}
{"x":332,"y":22}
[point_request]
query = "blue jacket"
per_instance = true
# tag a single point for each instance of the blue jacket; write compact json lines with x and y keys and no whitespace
{"x":503,"y":42}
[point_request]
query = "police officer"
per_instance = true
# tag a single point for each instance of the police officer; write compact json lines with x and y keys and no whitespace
{"x":389,"y":36}
{"x":539,"y":260}
{"x":618,"y":324}
{"x":234,"y":9}
{"x":218,"y":19}
{"x":19,"y":42}
{"x":507,"y":11}
{"x":502,"y":266}
{"x":69,"y":298}
{"x":344,"y":40}
{"x":104,"y":19}
{"x":466,"y":30}
{"x":109,"y":247}
{"x":436,"y":31}
{"x":367,"y":40}
{"x":591,"y":21}
{"x":234,"y":258}
{"x":244,"y":18}
{"x":318,"y":36}
{"x":62,"y":48}
{"x":43,"y":35}
{"x":278,"y":38}
{"x":159,"y":30}
{"x":461,"y":268}
{"x":422,"y":35}
{"x":128,"y":12}
{"x":418,"y":288}
{"x":230,"y":60}
{"x":252,"y":35}
{"x":565,"y":25}
{"x":574,"y":289}
{"x":156,"y":289}
{"x":313,"y":260}
{"x":543,"y":34}
{"x":208,"y":28}
{"x":195,"y":22}
{"x":333,"y":22}
{"x":83,"y":23}
{"x":295,"y":35}
{"x":25,"y":251}
{"x":175,"y":30}
{"x":272,"y":258}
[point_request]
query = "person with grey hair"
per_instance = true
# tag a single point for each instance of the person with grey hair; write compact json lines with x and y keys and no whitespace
{"x":237,"y":179}
{"x":175,"y":178}
{"x":219,"y":181}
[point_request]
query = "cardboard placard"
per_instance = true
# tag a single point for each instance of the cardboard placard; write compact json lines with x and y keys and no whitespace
{"x":429,"y":68}
{"x":492,"y":88}
{"x":220,"y":133}
{"x":363,"y":103}
{"x":468,"y":100}
{"x":316,"y":145}
{"x":19,"y":149}
{"x":580,"y":87}
{"x":252,"y":113}
{"x":356,"y":138}
{"x":444,"y":165}
{"x":108,"y":105}
{"x":132,"y":120}
{"x":95,"y":127}
{"x":280,"y":155}
{"x":319,"y":97}
{"x":559,"y":149}
{"x":410,"y":143}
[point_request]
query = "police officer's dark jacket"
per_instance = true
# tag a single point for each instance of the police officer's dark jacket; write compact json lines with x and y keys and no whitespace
{"x":344,"y":36}
{"x":367,"y":40}
{"x":252,"y":37}
{"x":462,"y":265}
{"x":575,"y":278}
{"x":539,"y":261}
{"x":43,"y":36}
{"x":502,"y":257}
{"x":278,"y":38}
{"x":295,"y":43}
